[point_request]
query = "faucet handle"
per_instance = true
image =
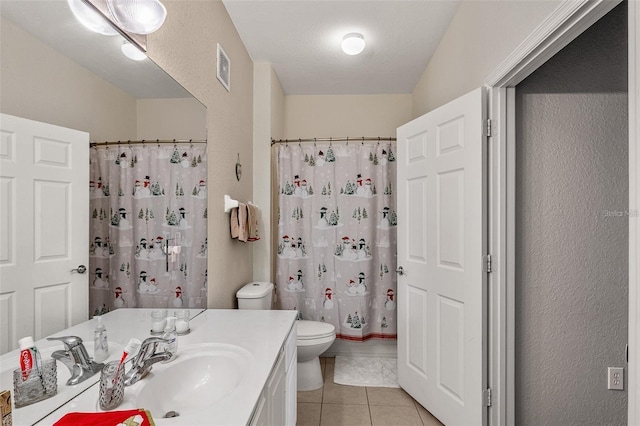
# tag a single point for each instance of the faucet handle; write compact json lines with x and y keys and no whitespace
{"x":69,"y":342}
{"x":153,"y":339}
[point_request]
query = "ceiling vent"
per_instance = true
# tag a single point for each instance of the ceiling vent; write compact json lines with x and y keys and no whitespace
{"x":224,"y":69}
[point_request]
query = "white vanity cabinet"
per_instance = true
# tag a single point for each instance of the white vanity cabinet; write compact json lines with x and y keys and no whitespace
{"x":264,"y":394}
{"x":277,"y":403}
{"x":291,"y":372}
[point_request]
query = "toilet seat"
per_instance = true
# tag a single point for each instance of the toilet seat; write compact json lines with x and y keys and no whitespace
{"x":314,"y":330}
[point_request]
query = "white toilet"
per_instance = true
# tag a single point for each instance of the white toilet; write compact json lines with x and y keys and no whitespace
{"x":314,"y":337}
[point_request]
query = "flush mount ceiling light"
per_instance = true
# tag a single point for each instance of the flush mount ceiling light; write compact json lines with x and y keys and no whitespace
{"x":132,"y":16}
{"x":138,"y":16}
{"x":132,"y":52}
{"x":353,"y":43}
{"x":90,"y":19}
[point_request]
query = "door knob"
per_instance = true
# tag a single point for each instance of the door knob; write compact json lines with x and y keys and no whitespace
{"x":80,"y":269}
{"x":401,"y":271}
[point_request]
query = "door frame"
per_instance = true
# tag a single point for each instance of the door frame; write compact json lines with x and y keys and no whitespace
{"x":562,"y":26}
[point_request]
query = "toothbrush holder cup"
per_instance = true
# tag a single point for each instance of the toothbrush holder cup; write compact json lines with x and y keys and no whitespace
{"x":111,"y":393}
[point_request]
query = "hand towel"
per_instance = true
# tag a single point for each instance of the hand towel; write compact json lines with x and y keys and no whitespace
{"x":109,"y":418}
{"x":235,"y":232}
{"x":253,"y":218}
{"x":243,"y":231}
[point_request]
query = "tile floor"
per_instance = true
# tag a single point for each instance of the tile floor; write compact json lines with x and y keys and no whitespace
{"x":339,"y":405}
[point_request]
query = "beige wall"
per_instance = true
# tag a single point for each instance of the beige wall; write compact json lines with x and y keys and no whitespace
{"x":185,"y":47}
{"x":481,"y":35}
{"x":268,"y":122}
{"x":171,"y":119}
{"x":345,"y":115}
{"x":40,"y":84}
{"x":277,"y":107}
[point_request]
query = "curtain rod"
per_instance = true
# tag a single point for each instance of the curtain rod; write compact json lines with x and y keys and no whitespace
{"x":343,"y":139}
{"x":144,"y":142}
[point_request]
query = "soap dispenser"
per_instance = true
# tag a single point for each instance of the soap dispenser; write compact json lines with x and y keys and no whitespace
{"x":171,"y":335}
{"x":100,"y":343}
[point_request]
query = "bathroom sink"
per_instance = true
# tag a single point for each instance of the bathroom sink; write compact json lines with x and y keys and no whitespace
{"x":202,"y":376}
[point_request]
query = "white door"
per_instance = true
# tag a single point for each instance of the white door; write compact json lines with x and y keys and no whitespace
{"x":44,"y":228}
{"x":441,"y":243}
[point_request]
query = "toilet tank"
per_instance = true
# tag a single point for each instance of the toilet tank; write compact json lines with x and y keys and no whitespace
{"x":255,"y":295}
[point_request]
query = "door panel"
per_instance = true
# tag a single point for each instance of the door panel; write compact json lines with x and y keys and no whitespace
{"x":441,"y":242}
{"x":417,"y":206}
{"x":44,"y":228}
{"x":416,"y":321}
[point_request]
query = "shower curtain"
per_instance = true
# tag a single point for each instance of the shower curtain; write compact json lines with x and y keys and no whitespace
{"x":336,"y":255}
{"x":148,"y":227}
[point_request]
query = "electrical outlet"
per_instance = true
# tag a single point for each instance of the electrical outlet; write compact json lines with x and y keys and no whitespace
{"x":615,"y":378}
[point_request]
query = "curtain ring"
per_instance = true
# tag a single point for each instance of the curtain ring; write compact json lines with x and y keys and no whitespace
{"x":314,"y":143}
{"x":300,"y":143}
{"x":158,"y":142}
{"x":362,"y":141}
{"x":191,"y":143}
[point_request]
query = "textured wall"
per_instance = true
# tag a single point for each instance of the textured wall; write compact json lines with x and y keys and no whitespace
{"x":479,"y":38}
{"x":345,"y":115}
{"x":571,"y":259}
{"x":171,"y":119}
{"x":41,"y":84}
{"x":185,"y":47}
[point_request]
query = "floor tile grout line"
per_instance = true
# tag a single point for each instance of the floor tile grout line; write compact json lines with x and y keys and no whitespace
{"x":366,"y":391}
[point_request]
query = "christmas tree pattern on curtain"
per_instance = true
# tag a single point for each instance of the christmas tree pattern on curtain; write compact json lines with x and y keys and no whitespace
{"x":141,"y":198}
{"x":337,"y":236}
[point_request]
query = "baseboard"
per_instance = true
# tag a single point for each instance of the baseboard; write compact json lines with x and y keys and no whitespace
{"x":373,"y":347}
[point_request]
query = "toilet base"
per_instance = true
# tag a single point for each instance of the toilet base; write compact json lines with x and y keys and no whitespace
{"x":309,"y":375}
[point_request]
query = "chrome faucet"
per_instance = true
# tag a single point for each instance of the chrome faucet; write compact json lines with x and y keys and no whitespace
{"x":76,"y":358}
{"x":152,"y":350}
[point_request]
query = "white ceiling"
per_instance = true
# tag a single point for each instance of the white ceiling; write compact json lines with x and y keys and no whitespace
{"x":301,"y":39}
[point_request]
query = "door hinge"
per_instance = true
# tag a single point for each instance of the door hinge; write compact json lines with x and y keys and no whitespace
{"x":487,"y":128}
{"x":486,"y":397}
{"x":486,"y":263}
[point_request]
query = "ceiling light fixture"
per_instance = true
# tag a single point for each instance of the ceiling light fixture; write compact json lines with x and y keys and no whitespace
{"x":132,"y":16}
{"x":138,"y":16}
{"x":90,"y":19}
{"x":132,"y":52}
{"x":353,"y":43}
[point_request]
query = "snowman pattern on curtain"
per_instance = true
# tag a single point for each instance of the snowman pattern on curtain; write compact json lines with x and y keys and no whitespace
{"x":337,"y":236}
{"x":143,"y":200}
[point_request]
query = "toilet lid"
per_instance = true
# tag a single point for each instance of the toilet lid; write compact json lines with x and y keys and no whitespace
{"x":314,"y":329}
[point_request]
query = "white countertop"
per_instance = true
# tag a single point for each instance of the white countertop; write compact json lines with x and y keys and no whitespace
{"x":262,"y":333}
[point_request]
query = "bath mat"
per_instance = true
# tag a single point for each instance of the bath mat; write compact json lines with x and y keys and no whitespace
{"x":366,"y":371}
